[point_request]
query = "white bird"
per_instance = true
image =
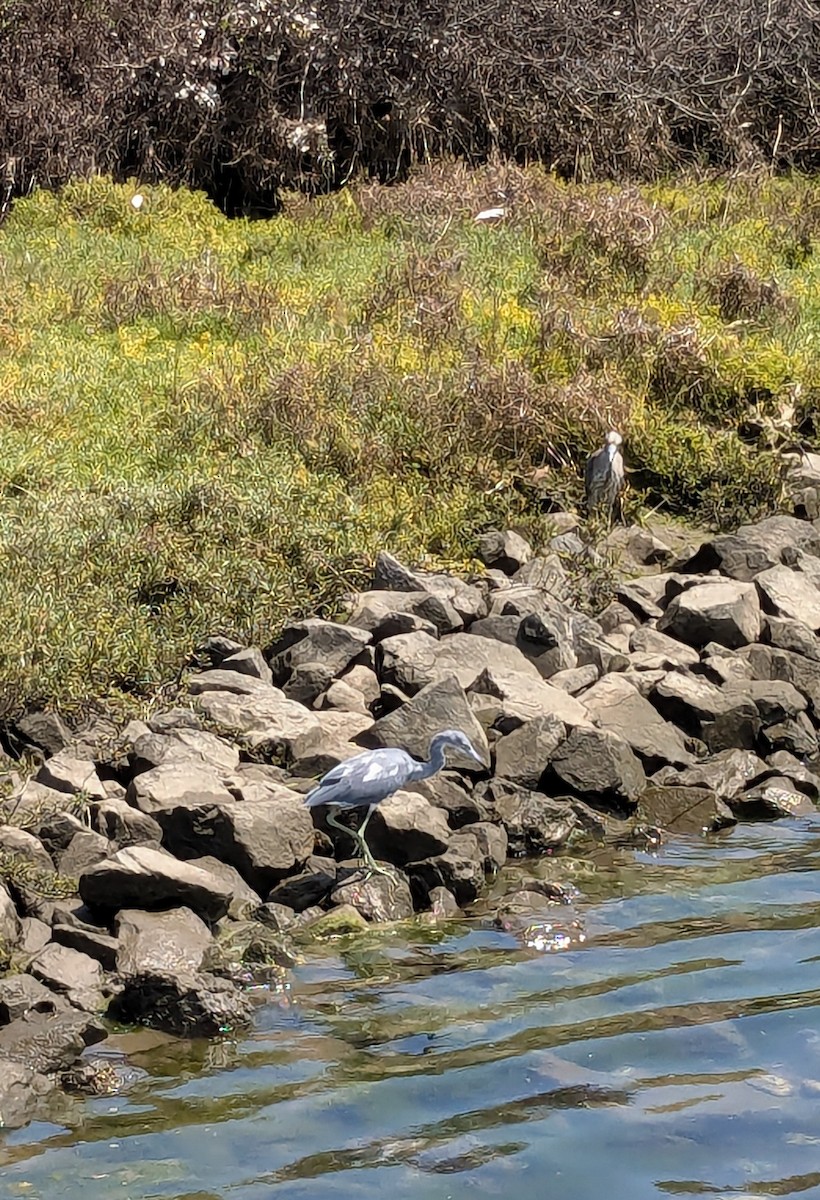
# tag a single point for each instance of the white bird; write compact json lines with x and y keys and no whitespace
{"x":137,"y":202}
{"x":604,"y":474}
{"x":491,"y":214}
{"x":366,"y":779}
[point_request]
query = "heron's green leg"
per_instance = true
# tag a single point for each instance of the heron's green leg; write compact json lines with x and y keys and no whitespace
{"x":373,"y":868}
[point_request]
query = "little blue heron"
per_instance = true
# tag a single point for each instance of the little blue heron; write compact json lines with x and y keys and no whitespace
{"x":604,"y":474}
{"x":366,"y":779}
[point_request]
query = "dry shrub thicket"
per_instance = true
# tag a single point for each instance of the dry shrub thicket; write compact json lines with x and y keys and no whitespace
{"x":240,"y":98}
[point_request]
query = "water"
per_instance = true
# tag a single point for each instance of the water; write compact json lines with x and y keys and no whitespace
{"x":674,"y":1052}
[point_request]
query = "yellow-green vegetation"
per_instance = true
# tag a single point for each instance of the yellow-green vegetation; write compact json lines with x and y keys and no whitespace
{"x":209,"y":425}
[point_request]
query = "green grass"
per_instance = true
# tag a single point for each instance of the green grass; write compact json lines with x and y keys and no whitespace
{"x":211,"y":425}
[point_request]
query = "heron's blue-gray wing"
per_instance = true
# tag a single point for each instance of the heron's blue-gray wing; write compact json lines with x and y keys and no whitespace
{"x":364,"y":779}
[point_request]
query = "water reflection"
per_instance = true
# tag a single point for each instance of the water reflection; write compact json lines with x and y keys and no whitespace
{"x":669,"y":1046}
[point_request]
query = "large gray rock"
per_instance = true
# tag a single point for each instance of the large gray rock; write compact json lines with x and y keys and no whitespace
{"x":184,"y":745}
{"x":50,"y":1042}
{"x":755,"y":548}
{"x":372,"y":610}
{"x":244,"y":900}
{"x":727,"y":774}
{"x":72,"y":776}
{"x":24,"y":845}
{"x":598,"y":765}
{"x":440,"y":705}
{"x":405,"y":828}
{"x":723,"y":718}
{"x":379,"y":898}
{"x":160,"y":942}
{"x":45,"y":730}
{"x":541,"y":639}
{"x":504,"y":550}
{"x":265,"y":839}
{"x":120,"y":822}
{"x":182,"y":1003}
{"x":771,"y":799}
{"x":785,"y":634}
{"x":508,"y":700}
{"x":615,"y":705}
{"x":267,"y":720}
{"x":790,"y":594}
{"x":74,"y":975}
{"x":767,"y":662}
{"x":413,"y":660}
{"x":248,"y":661}
{"x":460,"y":870}
{"x":723,"y":611}
{"x":524,"y":755}
{"x":22,"y":994}
{"x":22,"y":1091}
{"x":684,"y":809}
{"x":175,"y":785}
{"x":391,"y":575}
{"x":89,"y":941}
{"x":234,"y":682}
{"x":662,"y":650}
{"x":84,"y":850}
{"x":139,"y":876}
{"x":316,"y":641}
{"x":534,"y":823}
{"x":11,"y":930}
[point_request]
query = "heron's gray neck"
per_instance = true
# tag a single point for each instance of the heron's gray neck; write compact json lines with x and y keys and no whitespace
{"x":437,"y":759}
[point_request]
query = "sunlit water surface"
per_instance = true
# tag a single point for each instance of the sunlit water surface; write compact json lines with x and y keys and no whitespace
{"x":675,"y":1051}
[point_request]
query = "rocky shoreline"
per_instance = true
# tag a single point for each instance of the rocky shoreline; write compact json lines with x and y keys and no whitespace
{"x":151,"y":882}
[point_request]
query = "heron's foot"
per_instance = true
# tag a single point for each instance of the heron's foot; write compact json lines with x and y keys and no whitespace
{"x":371,"y":867}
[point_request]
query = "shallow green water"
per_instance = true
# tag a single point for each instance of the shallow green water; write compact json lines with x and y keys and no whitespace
{"x":674,"y":1052}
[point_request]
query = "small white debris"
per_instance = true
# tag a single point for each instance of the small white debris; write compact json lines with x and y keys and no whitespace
{"x":137,"y":202}
{"x":491,"y":214}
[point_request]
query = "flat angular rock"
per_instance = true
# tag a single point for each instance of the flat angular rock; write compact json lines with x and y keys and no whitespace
{"x":671,"y":652}
{"x":182,"y":1003}
{"x":772,"y":799}
{"x":439,"y":705}
{"x":785,"y":634}
{"x":372,"y":610}
{"x":452,"y":793}
{"x":35,"y":935}
{"x":597,"y":764}
{"x":174,"y":785}
{"x":646,"y":548}
{"x":45,"y":730}
{"x":70,"y":973}
{"x":11,"y":930}
{"x":576,"y":680}
{"x":307,"y":888}
{"x":148,"y":878}
{"x":50,"y":1042}
{"x":413,"y":660}
{"x":333,"y":645}
{"x":541,"y":640}
{"x":406,"y":827}
{"x":534,"y":823}
{"x":179,"y":717}
{"x":268,"y":720}
{"x":92,"y":943}
{"x":22,"y":1091}
{"x":795,"y":735}
{"x":265,"y":839}
{"x":244,"y":900}
{"x":391,"y":575}
{"x":84,"y":850}
{"x":490,"y":841}
{"x":766,"y":662}
{"x":726,"y":774}
{"x":723,"y":611}
{"x":522,"y":698}
{"x":616,"y":706}
{"x":248,"y":661}
{"x":458,"y":870}
{"x":343,"y":697}
{"x":755,"y":548}
{"x":364,"y":680}
{"x":72,"y":776}
{"x":184,"y":745}
{"x":379,"y":898}
{"x":723,"y":719}
{"x":790,"y":594}
{"x":23,"y":994}
{"x":524,"y":755}
{"x":160,"y":942}
{"x":234,"y":682}
{"x":684,"y":809}
{"x":120,"y":822}
{"x":504,"y":550}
